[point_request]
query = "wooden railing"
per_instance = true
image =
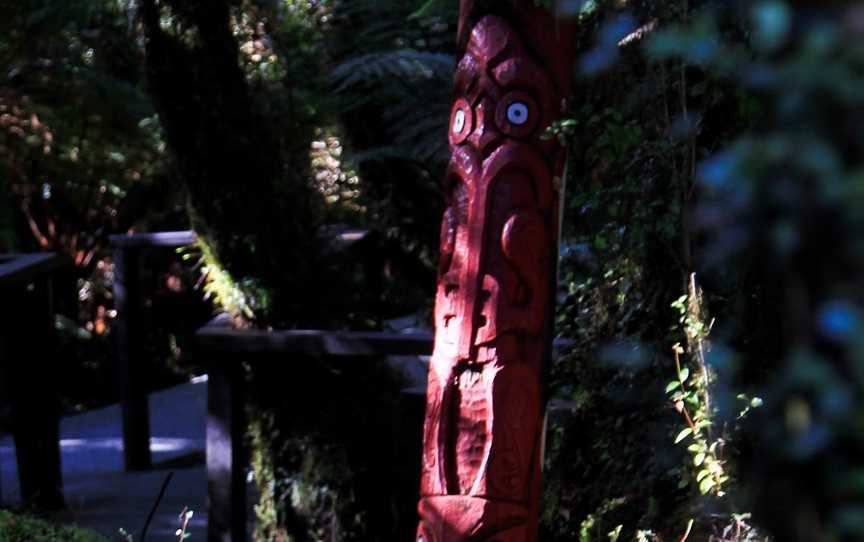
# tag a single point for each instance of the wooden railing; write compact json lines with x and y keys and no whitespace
{"x":224,"y":350}
{"x":29,"y":373}
{"x":129,"y":339}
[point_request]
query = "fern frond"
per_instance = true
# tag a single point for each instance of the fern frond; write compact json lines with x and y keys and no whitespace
{"x":404,"y":64}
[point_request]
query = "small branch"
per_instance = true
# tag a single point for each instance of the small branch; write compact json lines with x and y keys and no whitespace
{"x":43,"y":241}
{"x":185,"y":516}
{"x":687,"y":533}
{"x":700,"y":346}
{"x":156,"y":505}
{"x":684,"y":406}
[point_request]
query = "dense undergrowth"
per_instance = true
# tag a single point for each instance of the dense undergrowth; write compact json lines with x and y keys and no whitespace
{"x":735,"y":120}
{"x":22,"y":528}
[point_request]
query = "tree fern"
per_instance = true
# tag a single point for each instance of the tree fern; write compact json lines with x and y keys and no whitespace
{"x":411,"y":88}
{"x":404,"y":64}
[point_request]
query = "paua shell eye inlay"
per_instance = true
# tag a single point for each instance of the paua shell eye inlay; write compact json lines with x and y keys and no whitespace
{"x":458,"y":126}
{"x":517,"y":113}
{"x":461,"y":121}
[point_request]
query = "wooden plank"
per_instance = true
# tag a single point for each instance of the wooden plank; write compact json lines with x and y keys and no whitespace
{"x":19,"y":269}
{"x":339,"y":238}
{"x":313,"y":342}
{"x":157,"y":239}
{"x":319,"y":342}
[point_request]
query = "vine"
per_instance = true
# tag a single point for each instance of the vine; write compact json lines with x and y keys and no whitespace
{"x":691,"y":394}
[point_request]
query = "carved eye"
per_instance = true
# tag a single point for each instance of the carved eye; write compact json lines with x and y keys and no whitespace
{"x":458,"y":126}
{"x":461,"y":121}
{"x":517,"y":113}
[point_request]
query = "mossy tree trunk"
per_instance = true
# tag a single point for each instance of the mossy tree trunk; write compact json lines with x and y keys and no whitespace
{"x":243,"y":198}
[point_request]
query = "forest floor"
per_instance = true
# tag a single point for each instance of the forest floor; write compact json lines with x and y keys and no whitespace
{"x":101,"y":496}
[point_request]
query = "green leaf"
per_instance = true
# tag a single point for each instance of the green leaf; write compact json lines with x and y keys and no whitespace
{"x":683,"y":434}
{"x":600,"y":242}
{"x":672,"y":386}
{"x":684,"y":374}
{"x":705,"y":485}
{"x":698,"y":459}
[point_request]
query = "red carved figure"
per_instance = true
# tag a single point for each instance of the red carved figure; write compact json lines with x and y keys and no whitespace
{"x":482,"y":435}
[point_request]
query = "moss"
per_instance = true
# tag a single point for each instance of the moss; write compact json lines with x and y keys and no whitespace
{"x":317,"y":474}
{"x":22,"y":528}
{"x":242,"y":300}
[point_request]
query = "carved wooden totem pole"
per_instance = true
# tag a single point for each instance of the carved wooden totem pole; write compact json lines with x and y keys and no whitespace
{"x":484,"y":406}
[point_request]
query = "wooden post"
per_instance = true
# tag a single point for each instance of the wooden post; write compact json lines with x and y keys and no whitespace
{"x":129,"y":333}
{"x":131,"y":371}
{"x":493,"y":310}
{"x":226,"y":454}
{"x":31,"y":372}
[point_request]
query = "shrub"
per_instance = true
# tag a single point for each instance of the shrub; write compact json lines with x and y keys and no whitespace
{"x":16,"y":527}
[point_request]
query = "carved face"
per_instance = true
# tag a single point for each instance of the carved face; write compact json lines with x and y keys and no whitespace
{"x":500,"y":197}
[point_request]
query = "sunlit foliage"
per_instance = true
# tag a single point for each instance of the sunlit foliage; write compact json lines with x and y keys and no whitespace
{"x":71,"y":83}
